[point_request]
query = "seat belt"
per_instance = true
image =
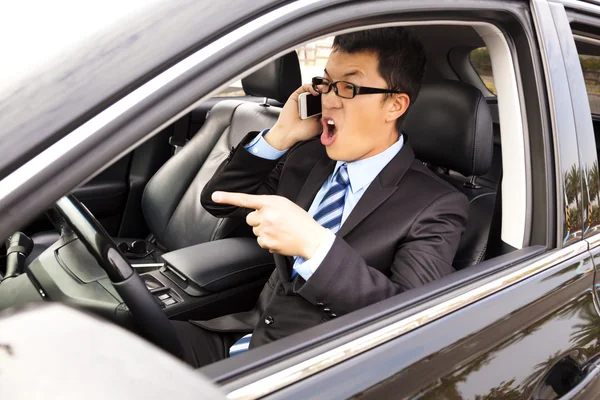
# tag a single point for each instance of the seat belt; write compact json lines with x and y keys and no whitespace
{"x":180,"y":132}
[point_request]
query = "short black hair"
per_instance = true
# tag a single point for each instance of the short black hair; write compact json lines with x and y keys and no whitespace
{"x":400,"y":53}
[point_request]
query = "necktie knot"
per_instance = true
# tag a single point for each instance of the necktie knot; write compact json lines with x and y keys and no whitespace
{"x":342,"y":177}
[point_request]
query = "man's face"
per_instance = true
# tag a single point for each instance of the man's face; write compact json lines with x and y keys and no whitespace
{"x":362,"y":125}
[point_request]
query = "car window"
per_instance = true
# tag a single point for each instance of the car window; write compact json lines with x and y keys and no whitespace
{"x":234,"y":90}
{"x":481,"y":62}
{"x":590,"y":65}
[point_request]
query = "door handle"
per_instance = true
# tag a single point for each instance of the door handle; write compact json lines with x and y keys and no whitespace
{"x":587,"y":388}
{"x":569,"y":380}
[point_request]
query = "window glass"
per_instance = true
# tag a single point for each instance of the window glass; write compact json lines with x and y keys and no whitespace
{"x":481,"y":62}
{"x":234,"y":90}
{"x":591,"y":73}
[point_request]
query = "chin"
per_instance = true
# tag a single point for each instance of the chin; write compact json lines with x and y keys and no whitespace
{"x":334,"y":153}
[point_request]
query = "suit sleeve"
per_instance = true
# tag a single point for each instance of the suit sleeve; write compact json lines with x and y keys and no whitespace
{"x":245,"y":173}
{"x":425,"y":255}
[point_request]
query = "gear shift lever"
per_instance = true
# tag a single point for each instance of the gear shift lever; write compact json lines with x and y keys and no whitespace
{"x":18,"y":247}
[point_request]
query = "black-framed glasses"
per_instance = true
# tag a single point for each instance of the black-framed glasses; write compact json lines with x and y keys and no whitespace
{"x":344,"y":89}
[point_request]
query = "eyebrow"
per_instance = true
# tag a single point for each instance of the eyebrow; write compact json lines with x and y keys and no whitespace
{"x":355,"y":72}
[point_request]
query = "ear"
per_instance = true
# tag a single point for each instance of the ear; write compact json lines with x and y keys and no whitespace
{"x":397,"y":106}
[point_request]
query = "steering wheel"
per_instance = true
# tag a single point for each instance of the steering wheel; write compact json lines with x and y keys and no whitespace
{"x":148,"y":316}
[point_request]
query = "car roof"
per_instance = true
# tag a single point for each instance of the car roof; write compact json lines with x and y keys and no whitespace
{"x":77,"y":68}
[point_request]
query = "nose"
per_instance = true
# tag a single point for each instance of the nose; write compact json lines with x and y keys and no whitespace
{"x":330,"y":100}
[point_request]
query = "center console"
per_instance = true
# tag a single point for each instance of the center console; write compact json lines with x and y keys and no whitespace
{"x":209,"y":279}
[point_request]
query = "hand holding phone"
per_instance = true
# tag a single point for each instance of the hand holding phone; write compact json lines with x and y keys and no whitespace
{"x":290,"y":128}
{"x":309,"y":105}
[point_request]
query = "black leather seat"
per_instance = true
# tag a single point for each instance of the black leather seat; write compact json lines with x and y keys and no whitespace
{"x":450,"y":128}
{"x":171,"y":200}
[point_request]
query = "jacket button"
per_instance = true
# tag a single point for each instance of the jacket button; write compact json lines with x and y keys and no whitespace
{"x":333,"y":315}
{"x":319,"y":304}
{"x":269,"y":320}
{"x":327,"y":310}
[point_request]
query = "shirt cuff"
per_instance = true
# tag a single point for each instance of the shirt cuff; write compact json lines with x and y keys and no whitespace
{"x":260,"y":148}
{"x":306,"y":268}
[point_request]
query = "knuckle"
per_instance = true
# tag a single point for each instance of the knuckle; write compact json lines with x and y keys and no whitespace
{"x":268,"y":218}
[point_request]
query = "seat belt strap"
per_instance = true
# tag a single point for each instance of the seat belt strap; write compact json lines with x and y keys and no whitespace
{"x":180,"y":132}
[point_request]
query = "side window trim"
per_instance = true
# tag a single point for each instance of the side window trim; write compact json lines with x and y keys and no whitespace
{"x":516,"y":207}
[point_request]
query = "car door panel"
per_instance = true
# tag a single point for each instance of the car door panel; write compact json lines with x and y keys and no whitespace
{"x":500,"y":347}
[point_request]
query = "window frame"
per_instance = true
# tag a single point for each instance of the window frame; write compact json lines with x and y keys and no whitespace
{"x":391,"y":309}
{"x":514,"y":263}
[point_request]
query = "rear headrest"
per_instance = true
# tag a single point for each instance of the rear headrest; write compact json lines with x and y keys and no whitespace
{"x":276,"y":80}
{"x":450,"y":126}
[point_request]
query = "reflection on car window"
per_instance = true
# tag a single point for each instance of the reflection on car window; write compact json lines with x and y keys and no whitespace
{"x":481,"y":62}
{"x":591,"y":73}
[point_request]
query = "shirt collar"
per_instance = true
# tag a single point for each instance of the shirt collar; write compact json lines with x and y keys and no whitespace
{"x":362,"y":172}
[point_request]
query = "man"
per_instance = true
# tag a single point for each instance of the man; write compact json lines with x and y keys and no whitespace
{"x":350,"y":215}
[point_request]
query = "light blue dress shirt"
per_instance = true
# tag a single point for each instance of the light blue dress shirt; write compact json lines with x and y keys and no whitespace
{"x":361,"y":174}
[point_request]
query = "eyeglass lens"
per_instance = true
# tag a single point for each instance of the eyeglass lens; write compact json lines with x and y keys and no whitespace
{"x":343,"y":89}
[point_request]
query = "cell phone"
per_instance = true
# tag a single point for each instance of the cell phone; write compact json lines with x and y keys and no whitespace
{"x":309,"y":105}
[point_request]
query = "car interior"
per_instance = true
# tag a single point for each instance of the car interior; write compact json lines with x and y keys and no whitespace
{"x":198,"y":266}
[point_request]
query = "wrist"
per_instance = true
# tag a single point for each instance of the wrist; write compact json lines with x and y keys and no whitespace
{"x":314,"y":241}
{"x":277,"y":139}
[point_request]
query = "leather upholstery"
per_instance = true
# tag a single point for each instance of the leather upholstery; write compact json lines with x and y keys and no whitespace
{"x":224,"y":264}
{"x":452,"y":130}
{"x":450,"y":125}
{"x":171,"y":201}
{"x":276,"y":80}
{"x":474,"y":241}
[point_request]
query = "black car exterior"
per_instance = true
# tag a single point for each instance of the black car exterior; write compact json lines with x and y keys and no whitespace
{"x":525,"y":324}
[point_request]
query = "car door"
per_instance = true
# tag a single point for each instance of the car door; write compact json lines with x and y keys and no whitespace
{"x":582,"y":58}
{"x":495,"y":331}
{"x":528,"y":331}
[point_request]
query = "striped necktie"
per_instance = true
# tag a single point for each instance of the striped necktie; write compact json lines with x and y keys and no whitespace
{"x":330,"y":210}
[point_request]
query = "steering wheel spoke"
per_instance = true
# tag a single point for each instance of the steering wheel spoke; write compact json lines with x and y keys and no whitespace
{"x":147,"y":313}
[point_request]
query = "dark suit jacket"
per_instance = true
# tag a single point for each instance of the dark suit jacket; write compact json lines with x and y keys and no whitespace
{"x":403,"y":233}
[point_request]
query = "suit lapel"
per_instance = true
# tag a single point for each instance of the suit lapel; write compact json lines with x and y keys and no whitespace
{"x":317,"y":176}
{"x":382,"y":187}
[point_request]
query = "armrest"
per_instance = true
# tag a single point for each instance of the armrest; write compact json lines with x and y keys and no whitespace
{"x":216,"y":266}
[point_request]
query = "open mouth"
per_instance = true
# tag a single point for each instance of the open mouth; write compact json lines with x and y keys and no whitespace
{"x":329,"y":131}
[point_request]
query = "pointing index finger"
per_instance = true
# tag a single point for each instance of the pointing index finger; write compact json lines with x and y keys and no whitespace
{"x":239,"y":199}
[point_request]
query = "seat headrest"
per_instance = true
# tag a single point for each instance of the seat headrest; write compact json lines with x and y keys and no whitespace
{"x":276,"y":80}
{"x":450,"y":126}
